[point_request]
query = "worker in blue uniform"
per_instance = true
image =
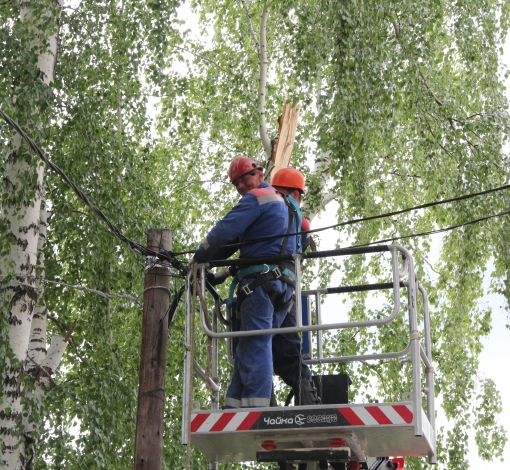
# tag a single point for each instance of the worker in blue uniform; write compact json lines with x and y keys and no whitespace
{"x":288,"y":361}
{"x":264,"y":295}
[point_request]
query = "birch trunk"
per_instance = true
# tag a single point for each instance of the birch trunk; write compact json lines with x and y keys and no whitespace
{"x":22,"y":214}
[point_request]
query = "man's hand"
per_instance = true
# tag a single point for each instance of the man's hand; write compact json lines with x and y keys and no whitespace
{"x":218,"y":278}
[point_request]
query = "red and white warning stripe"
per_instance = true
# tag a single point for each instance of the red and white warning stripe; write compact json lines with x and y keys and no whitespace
{"x":366,"y":415}
{"x":372,"y":415}
{"x":227,"y":421}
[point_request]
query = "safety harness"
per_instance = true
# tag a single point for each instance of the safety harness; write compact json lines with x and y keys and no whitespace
{"x":263,"y":273}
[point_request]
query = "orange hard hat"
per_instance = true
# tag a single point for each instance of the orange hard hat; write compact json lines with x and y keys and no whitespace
{"x":240,"y":166}
{"x":289,"y":178}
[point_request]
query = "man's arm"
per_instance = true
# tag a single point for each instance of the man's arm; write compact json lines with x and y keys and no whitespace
{"x":231,"y":227}
{"x":226,"y":251}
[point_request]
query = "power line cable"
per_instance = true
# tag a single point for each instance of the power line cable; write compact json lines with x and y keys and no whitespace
{"x":433,"y":232}
{"x":136,"y":247}
{"x":170,"y":256}
{"x":409,"y":209}
{"x":73,"y":286}
{"x":379,"y":216}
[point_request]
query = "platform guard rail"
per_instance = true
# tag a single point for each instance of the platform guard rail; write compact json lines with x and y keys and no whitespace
{"x":403,"y":276}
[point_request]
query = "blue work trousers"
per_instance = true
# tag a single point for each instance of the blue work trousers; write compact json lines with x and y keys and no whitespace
{"x":288,"y":361}
{"x":252,"y":380}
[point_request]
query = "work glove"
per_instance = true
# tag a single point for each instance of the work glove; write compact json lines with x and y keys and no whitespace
{"x":217,"y":278}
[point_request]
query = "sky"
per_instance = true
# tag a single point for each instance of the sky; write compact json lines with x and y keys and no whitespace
{"x":496,"y":353}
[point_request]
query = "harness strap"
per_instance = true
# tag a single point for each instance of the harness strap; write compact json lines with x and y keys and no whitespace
{"x":286,"y":239}
{"x":263,"y":280}
{"x":268,"y":272}
{"x":263,"y":273}
{"x":294,"y":211}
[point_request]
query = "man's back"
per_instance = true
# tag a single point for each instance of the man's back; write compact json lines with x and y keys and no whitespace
{"x":260,"y":213}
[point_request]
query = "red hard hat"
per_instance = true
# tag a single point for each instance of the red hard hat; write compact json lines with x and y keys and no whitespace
{"x":240,"y":166}
{"x":289,"y":178}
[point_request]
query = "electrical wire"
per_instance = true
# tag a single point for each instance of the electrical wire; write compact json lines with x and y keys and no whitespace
{"x":433,"y":232}
{"x":421,"y":206}
{"x":77,"y":287}
{"x":136,"y":247}
{"x":170,"y":255}
{"x":381,"y":216}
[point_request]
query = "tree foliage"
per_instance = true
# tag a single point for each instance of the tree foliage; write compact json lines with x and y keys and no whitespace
{"x":402,"y":103}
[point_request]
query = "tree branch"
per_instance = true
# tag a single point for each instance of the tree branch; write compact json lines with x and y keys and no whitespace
{"x":435,"y":138}
{"x":424,"y":81}
{"x":42,"y":371}
{"x":397,"y":173}
{"x":328,"y":198}
{"x":200,"y":56}
{"x":430,"y":265}
{"x":250,"y":24}
{"x":266,"y":141}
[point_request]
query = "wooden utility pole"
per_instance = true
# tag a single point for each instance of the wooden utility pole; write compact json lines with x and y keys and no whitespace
{"x":151,"y":390}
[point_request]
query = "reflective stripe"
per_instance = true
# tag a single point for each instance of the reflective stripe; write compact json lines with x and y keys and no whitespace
{"x":259,"y":192}
{"x":248,"y":402}
{"x":232,"y":403}
{"x":205,"y":244}
{"x":269,"y":198}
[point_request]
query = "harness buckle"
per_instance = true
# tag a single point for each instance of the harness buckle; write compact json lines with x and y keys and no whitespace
{"x":267,"y":269}
{"x":246,"y":289}
{"x":277,"y":272}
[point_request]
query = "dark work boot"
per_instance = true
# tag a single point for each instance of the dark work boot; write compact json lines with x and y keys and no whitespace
{"x":273,"y":401}
{"x":305,"y":393}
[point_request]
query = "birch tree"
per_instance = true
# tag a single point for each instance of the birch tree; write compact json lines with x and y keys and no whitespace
{"x":103,"y":50}
{"x":24,"y":216}
{"x":401,"y":103}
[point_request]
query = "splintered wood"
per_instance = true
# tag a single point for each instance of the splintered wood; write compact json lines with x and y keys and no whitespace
{"x":286,"y":132}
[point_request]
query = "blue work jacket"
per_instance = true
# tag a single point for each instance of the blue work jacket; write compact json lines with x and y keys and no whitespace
{"x":259,"y":214}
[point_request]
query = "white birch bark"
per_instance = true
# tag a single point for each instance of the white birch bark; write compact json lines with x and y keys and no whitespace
{"x":23,"y":219}
{"x":56,"y":350}
{"x":21,"y":262}
{"x":37,"y":344}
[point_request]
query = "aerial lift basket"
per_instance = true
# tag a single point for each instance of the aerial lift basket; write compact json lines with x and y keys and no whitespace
{"x":334,"y":433}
